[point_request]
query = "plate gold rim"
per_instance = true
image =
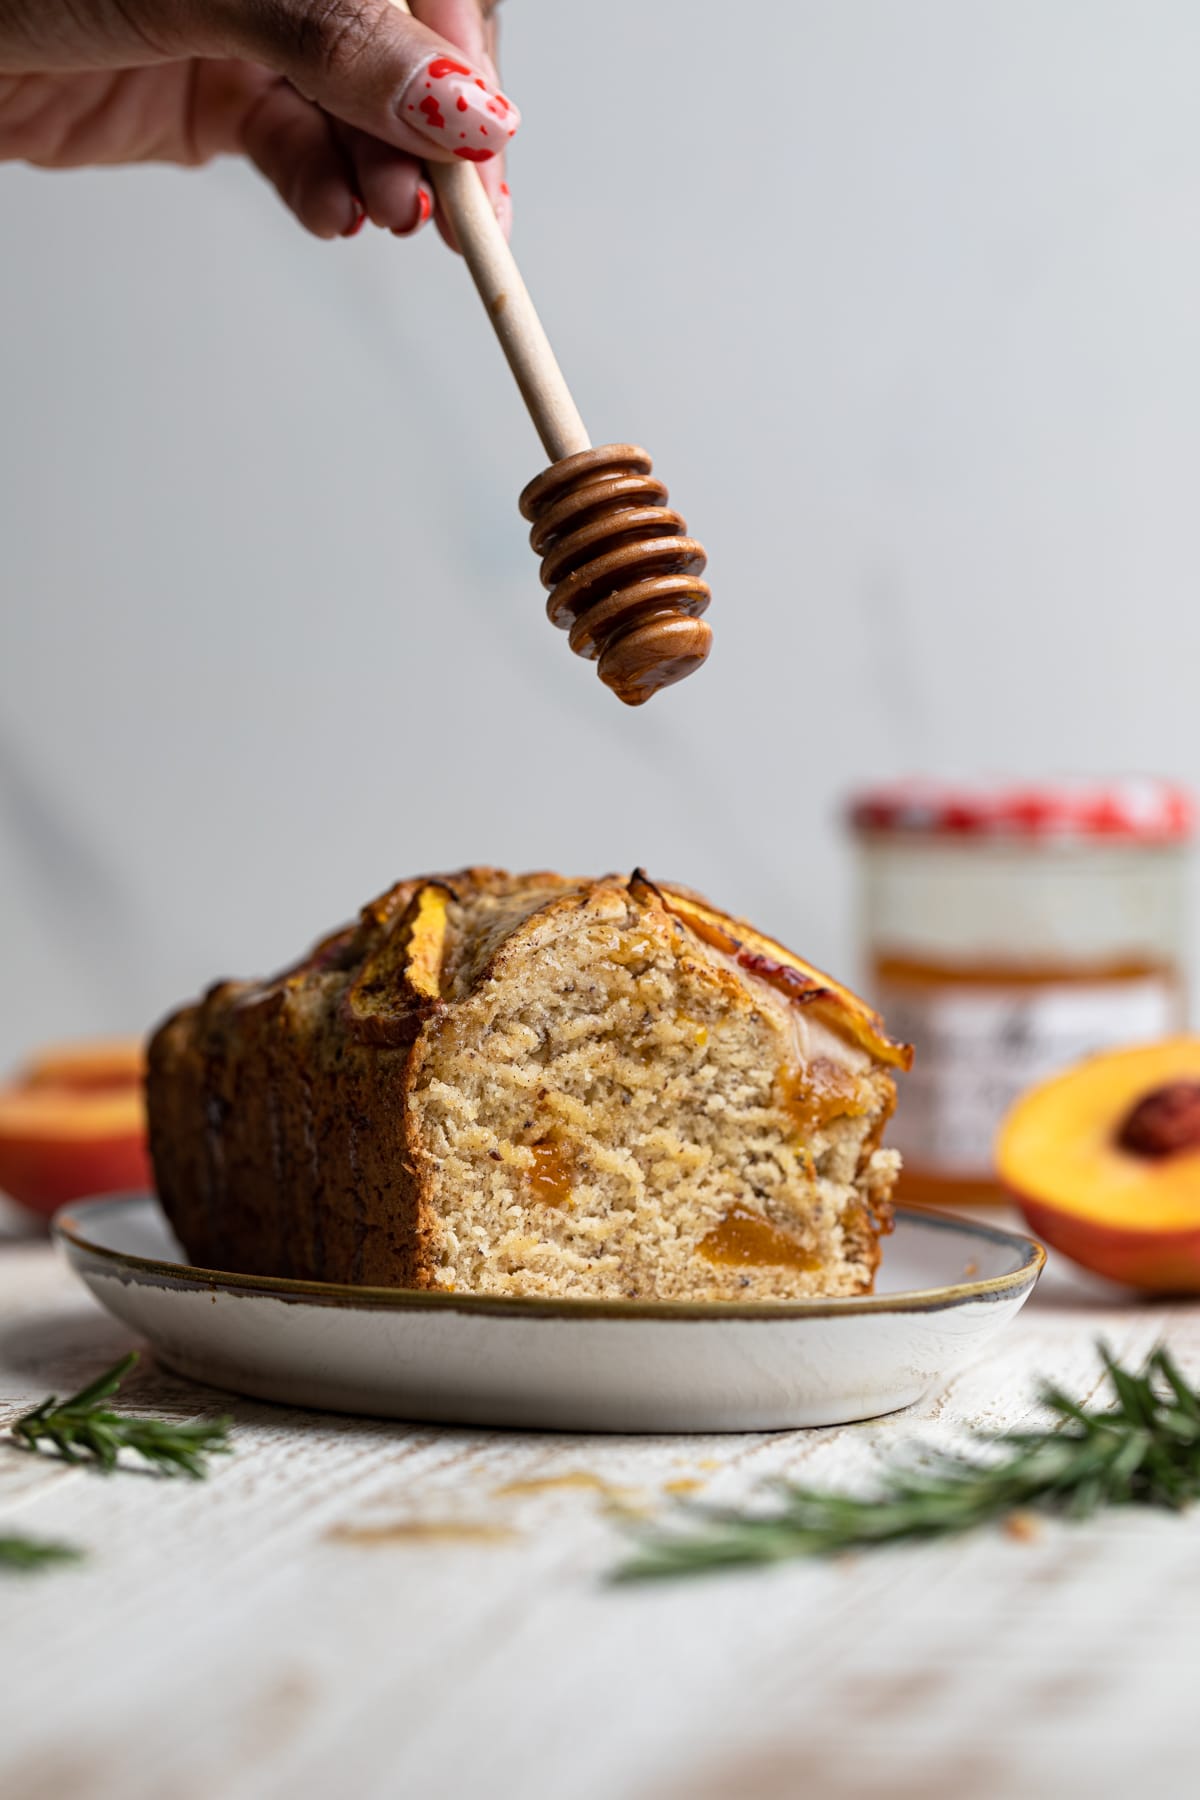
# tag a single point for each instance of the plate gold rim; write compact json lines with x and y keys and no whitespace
{"x":80,"y":1250}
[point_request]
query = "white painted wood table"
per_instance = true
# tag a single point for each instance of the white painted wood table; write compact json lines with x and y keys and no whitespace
{"x":368,"y":1609}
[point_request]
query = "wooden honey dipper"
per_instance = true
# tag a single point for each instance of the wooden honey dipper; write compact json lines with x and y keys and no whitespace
{"x":624,"y":577}
{"x":624,"y":580}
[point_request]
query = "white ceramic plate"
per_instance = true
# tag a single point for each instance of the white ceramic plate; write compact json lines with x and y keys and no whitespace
{"x":945,"y":1288}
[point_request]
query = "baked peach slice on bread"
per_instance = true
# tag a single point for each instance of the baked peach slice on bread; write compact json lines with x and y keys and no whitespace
{"x":1104,"y":1161}
{"x":73,"y":1122}
{"x":779,"y":968}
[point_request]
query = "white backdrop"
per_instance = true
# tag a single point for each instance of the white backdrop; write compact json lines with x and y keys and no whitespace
{"x":903,"y":299}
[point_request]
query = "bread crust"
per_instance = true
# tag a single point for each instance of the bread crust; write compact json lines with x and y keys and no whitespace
{"x":283,"y":1123}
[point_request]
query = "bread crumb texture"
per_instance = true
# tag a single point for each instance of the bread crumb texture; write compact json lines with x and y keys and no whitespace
{"x":525,"y":1085}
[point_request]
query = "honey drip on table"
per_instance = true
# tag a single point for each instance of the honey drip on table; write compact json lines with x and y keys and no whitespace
{"x":624,"y":577}
{"x":552,"y":1175}
{"x":746,"y":1237}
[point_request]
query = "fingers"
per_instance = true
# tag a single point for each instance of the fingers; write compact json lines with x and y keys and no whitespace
{"x":384,"y":73}
{"x":333,"y":178}
{"x":337,"y":102}
{"x":394,"y":188}
{"x":387,"y":181}
{"x":398,"y":192}
{"x":293,"y":144}
{"x":368,"y":93}
{"x":462,"y":22}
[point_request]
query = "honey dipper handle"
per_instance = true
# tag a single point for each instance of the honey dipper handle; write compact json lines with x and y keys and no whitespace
{"x":463,"y":198}
{"x":514,"y":318}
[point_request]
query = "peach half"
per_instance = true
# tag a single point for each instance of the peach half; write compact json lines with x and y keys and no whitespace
{"x":1104,"y":1162}
{"x":73,"y":1122}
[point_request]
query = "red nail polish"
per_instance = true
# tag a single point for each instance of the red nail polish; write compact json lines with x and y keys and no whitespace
{"x":424,"y":209}
{"x":448,"y":94}
{"x":359,"y":221}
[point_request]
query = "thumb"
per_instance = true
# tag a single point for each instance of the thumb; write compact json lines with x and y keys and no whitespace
{"x":376,"y":67}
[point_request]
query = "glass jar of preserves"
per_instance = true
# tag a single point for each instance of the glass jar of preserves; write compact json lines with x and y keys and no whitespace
{"x":1008,"y":931}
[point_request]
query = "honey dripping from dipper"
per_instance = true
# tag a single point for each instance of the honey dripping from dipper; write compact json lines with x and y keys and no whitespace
{"x":624,"y":578}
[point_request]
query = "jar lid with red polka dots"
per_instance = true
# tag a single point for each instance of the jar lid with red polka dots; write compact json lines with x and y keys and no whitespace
{"x":1139,"y":809}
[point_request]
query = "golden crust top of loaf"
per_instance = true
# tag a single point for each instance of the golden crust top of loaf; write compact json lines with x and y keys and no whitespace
{"x":435,"y":938}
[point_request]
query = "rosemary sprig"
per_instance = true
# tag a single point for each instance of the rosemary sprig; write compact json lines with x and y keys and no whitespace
{"x":1143,"y":1451}
{"x":25,"y":1553}
{"x":83,"y":1429}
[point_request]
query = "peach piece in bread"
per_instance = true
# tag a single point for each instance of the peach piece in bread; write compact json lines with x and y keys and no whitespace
{"x":1104,"y":1162}
{"x":73,"y":1123}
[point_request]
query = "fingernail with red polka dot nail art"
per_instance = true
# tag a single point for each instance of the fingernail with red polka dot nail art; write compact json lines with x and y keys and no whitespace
{"x":504,"y":208}
{"x":424,"y":210}
{"x":451,"y":105}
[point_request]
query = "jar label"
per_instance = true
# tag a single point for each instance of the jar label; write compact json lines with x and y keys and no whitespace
{"x":979,"y":1047}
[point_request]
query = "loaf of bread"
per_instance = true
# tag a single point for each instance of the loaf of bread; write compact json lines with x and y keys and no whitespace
{"x":528,"y":1085}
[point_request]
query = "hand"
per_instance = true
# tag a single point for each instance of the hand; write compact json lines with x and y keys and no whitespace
{"x":337,"y":102}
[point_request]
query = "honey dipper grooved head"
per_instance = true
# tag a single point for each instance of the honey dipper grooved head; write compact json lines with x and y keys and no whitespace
{"x":624,"y":578}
